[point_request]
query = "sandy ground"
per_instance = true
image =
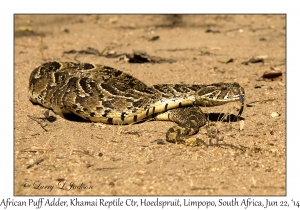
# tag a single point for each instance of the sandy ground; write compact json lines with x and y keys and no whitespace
{"x":81,"y":158}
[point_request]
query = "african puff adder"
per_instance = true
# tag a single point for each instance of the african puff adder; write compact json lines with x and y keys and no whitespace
{"x":103,"y":94}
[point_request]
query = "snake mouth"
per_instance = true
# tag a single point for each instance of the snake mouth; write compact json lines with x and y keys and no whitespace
{"x":208,"y":101}
{"x":242,"y":100}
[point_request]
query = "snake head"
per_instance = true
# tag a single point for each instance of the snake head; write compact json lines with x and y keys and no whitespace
{"x":219,"y":93}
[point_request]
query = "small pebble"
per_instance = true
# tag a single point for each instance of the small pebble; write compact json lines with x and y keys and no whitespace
{"x":274,"y":114}
{"x":242,"y":123}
